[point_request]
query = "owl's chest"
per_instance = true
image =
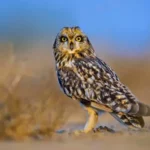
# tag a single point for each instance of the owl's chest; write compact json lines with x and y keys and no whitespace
{"x":73,"y":85}
{"x":68,"y":81}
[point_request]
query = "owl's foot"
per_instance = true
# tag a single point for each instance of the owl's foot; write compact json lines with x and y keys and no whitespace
{"x":104,"y":129}
{"x":78,"y":132}
{"x":101,"y":129}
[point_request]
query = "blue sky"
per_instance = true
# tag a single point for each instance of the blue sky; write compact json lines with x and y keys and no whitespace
{"x":121,"y":21}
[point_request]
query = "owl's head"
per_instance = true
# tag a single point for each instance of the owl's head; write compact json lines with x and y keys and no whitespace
{"x":72,"y":41}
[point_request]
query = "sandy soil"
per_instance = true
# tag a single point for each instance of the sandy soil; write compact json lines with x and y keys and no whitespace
{"x":121,"y":140}
{"x":136,"y":142}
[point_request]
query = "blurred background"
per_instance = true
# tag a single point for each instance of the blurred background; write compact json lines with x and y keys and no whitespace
{"x":31,"y":103}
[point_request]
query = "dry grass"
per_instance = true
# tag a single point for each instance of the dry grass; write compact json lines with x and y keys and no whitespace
{"x":31,"y":104}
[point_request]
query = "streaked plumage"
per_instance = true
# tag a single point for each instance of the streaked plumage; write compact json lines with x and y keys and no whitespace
{"x":86,"y":78}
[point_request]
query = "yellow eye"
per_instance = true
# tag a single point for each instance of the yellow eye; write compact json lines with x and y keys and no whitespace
{"x":79,"y":38}
{"x":63,"y":39}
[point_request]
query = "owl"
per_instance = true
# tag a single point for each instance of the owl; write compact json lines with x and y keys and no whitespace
{"x":89,"y":80}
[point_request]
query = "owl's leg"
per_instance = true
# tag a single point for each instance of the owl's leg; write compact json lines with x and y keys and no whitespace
{"x":91,"y":122}
{"x":92,"y":119}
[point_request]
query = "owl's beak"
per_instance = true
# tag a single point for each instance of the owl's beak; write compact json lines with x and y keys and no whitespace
{"x":71,"y":45}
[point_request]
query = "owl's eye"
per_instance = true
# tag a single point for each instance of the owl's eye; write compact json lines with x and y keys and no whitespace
{"x":63,"y":39}
{"x":79,"y":38}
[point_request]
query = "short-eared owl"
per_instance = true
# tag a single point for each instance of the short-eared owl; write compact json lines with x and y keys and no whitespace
{"x":89,"y":80}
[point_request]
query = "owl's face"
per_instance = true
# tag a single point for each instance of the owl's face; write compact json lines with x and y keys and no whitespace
{"x":71,"y":40}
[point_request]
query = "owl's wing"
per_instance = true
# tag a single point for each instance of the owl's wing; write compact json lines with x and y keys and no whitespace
{"x":104,"y":87}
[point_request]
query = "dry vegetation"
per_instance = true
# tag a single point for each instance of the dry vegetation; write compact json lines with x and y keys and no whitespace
{"x":31,"y":104}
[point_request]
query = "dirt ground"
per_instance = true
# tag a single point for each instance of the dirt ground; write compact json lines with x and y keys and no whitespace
{"x":114,"y":142}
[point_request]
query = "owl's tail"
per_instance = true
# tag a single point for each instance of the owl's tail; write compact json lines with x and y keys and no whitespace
{"x":134,"y":117}
{"x":131,"y":121}
{"x":139,"y":109}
